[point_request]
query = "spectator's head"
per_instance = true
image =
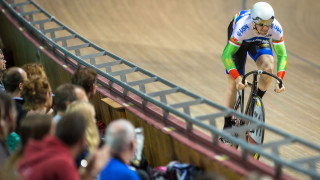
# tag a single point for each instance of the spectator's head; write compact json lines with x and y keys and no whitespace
{"x":7,"y":115}
{"x":71,"y":131}
{"x":13,"y":79}
{"x":37,"y":94}
{"x":35,"y":126}
{"x":87,"y":110}
{"x":67,"y":93}
{"x":2,"y":62}
{"x":34,"y":69}
{"x":86,"y":78}
{"x":120,"y":136}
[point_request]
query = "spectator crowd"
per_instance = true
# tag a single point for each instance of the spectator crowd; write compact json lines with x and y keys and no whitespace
{"x":54,"y":135}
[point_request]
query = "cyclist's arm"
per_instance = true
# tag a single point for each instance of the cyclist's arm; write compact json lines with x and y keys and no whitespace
{"x":280,"y":50}
{"x":227,"y":60}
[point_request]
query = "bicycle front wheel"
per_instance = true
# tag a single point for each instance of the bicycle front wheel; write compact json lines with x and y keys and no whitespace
{"x":256,"y":136}
{"x":236,"y":121}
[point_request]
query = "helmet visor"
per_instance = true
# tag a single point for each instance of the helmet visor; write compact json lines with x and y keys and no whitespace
{"x":264,"y":22}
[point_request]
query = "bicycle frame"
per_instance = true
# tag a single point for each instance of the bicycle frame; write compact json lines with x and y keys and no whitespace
{"x":253,"y":93}
{"x":254,"y":88}
{"x":257,"y":135}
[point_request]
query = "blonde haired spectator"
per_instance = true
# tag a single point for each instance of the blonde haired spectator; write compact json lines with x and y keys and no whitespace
{"x":37,"y":95}
{"x":87,"y":110}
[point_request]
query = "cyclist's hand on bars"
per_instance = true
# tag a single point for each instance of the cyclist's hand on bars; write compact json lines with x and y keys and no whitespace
{"x":239,"y":84}
{"x":279,"y":90}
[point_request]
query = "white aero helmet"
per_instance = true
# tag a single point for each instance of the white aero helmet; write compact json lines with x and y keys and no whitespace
{"x":262,"y":11}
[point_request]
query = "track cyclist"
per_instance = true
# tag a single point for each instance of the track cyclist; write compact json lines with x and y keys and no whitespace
{"x":250,"y":31}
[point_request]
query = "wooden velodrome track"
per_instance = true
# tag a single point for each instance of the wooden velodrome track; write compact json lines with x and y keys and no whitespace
{"x":182,"y":41}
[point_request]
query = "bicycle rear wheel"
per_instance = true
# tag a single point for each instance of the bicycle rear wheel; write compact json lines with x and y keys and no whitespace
{"x":256,"y":136}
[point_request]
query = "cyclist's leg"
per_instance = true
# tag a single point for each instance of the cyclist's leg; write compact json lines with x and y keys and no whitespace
{"x":230,"y":95}
{"x":261,"y":53}
{"x":230,"y":92}
{"x":265,"y":63}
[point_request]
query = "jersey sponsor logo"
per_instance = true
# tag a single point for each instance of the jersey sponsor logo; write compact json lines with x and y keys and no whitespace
{"x":242,"y":30}
{"x":265,"y":45}
{"x":257,"y":39}
{"x":277,"y":28}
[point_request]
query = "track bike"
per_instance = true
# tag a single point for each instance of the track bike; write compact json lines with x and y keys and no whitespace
{"x":254,"y":108}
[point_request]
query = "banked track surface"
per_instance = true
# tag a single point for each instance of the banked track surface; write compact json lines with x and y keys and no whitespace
{"x":185,"y":50}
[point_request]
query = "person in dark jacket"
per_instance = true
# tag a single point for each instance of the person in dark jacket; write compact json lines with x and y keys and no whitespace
{"x":13,"y":79}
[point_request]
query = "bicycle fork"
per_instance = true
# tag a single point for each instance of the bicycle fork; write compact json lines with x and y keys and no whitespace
{"x":253,"y":93}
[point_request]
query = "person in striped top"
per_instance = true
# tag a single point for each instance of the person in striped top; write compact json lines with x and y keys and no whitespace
{"x":251,"y":31}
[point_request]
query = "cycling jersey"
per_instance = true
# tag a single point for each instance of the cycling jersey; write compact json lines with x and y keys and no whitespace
{"x":243,"y":32}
